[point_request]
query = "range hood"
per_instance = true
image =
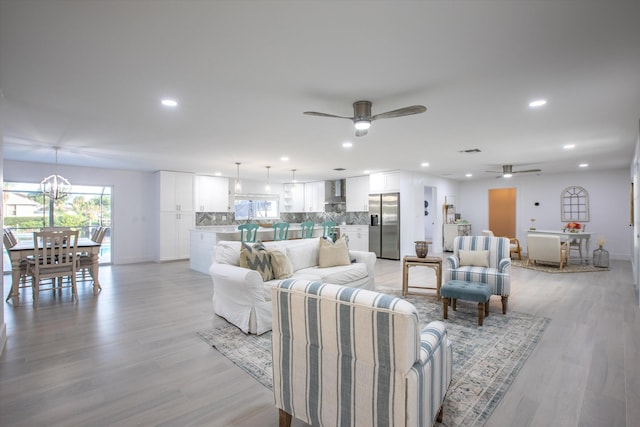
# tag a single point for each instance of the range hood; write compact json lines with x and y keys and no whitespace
{"x":334,"y":191}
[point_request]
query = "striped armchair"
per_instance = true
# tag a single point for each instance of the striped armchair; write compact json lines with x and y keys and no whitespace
{"x":496,"y":273}
{"x":344,"y":356}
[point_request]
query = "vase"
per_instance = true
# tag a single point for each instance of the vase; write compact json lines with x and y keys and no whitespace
{"x":601,"y":257}
{"x":422,"y":248}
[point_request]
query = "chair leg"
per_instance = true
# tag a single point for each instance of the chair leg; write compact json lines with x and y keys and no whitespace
{"x":505,"y":301}
{"x":284,"y":418}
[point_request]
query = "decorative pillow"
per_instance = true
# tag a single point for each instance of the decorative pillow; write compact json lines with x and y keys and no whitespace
{"x":256,"y":258}
{"x":475,"y":258}
{"x":282,"y":268}
{"x":333,"y":254}
{"x":303,"y":253}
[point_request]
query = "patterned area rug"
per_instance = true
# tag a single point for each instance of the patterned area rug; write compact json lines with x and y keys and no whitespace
{"x":485,"y":359}
{"x":551,"y":268}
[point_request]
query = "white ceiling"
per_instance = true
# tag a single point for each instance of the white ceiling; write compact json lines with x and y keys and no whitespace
{"x":88,"y":76}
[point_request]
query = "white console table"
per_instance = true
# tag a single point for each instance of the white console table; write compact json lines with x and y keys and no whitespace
{"x":565,"y":236}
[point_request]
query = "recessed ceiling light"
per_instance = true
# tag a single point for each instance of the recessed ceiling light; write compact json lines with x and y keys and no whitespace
{"x":424,"y":164}
{"x":284,"y":158}
{"x":469,"y":175}
{"x":537,"y":103}
{"x":347,"y":144}
{"x":584,"y":165}
{"x":218,"y":174}
{"x":169,"y":102}
{"x":366,"y":172}
{"x":569,"y":146}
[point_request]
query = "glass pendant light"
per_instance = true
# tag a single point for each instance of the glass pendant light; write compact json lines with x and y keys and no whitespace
{"x":268,"y":186}
{"x":238,"y":183}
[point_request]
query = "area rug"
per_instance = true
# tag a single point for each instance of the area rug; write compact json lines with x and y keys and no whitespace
{"x":551,"y":268}
{"x":486,"y":359}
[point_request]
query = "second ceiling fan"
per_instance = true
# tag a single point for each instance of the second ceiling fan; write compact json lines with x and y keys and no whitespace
{"x":362,"y":117}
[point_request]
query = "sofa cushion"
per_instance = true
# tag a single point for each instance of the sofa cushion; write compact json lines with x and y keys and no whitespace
{"x":256,"y":258}
{"x":338,"y":275}
{"x":303,"y":254}
{"x":228,"y":253}
{"x":282,"y":268}
{"x":333,"y":254}
{"x":475,"y":258}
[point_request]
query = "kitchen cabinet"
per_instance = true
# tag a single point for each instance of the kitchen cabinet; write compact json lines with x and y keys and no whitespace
{"x":357,"y":193}
{"x":211,"y":194}
{"x":385,"y":182}
{"x":450,"y":231}
{"x":293,"y":198}
{"x":176,"y":216}
{"x":176,"y":191}
{"x":314,"y":196}
{"x":358,"y":236}
{"x":203,"y":243}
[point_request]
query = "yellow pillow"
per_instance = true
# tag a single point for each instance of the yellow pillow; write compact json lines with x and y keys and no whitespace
{"x":475,"y":258}
{"x":281,"y":265}
{"x":333,"y":254}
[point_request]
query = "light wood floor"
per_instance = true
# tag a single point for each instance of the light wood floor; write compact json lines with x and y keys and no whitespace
{"x":130,"y":356}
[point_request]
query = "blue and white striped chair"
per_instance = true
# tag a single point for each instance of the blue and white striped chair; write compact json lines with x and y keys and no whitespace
{"x":497,"y":271}
{"x":344,"y":356}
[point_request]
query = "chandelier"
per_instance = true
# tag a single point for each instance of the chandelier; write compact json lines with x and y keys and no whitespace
{"x":55,"y":187}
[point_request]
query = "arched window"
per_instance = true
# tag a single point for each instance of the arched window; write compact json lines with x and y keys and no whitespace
{"x":574,"y":204}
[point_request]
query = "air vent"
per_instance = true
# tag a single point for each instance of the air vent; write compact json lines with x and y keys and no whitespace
{"x":339,"y":169}
{"x":471,"y":150}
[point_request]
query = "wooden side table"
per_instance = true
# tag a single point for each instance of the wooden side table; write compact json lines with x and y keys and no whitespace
{"x":413,"y":261}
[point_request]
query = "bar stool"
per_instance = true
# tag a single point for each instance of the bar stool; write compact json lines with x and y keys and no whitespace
{"x":248,"y":232}
{"x":281,"y":231}
{"x":307,"y":229}
{"x":327,"y":229}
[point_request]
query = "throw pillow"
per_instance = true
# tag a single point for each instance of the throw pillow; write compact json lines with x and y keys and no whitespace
{"x":333,"y":254}
{"x":474,"y":258}
{"x":256,"y":258}
{"x":282,"y":268}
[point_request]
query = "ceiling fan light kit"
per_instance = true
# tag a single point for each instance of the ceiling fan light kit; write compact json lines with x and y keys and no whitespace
{"x":507,"y":171}
{"x":362,"y":117}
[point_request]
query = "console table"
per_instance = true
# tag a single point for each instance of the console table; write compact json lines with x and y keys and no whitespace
{"x":413,"y":261}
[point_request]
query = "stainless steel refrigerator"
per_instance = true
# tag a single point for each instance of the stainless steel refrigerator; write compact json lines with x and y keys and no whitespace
{"x":384,"y":225}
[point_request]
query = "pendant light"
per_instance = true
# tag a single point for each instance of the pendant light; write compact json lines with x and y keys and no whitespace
{"x":238,"y":184}
{"x":268,"y":186}
{"x":293,"y":180}
{"x":55,"y":186}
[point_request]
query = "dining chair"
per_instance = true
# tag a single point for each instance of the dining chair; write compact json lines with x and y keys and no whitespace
{"x":85,"y":261}
{"x":576,"y":244}
{"x":327,"y":229}
{"x":307,"y":229}
{"x":9,"y":240}
{"x":248,"y":232}
{"x":54,"y":256}
{"x":281,"y":231}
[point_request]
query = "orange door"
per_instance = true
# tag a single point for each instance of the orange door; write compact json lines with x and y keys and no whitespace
{"x":502,"y":212}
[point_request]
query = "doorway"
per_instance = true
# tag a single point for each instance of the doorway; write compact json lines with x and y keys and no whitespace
{"x":502,"y":212}
{"x":429,"y":222}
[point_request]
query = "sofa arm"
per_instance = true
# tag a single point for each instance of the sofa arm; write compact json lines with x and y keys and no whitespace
{"x":239,"y":284}
{"x":368,"y":258}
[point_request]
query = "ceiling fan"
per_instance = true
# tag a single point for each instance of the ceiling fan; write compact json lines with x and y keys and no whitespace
{"x":507,"y":171}
{"x":362,"y":115}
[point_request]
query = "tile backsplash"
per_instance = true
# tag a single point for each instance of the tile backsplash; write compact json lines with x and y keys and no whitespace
{"x":204,"y":219}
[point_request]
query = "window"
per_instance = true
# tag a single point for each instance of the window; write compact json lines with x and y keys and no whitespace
{"x":574,"y":204}
{"x":256,"y":206}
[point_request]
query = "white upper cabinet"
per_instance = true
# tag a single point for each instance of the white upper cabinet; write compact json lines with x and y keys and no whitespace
{"x":314,"y":196}
{"x":385,"y":182}
{"x":176,"y":191}
{"x":293,"y":198}
{"x":212,"y":194}
{"x":358,"y":194}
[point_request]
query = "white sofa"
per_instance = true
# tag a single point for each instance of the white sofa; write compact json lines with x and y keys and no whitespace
{"x":242,"y":297}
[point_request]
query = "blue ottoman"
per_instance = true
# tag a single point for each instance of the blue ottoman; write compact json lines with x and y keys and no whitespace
{"x":468,"y":291}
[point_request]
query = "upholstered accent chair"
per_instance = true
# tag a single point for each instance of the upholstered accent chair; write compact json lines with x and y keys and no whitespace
{"x":482,"y":259}
{"x":547,"y":249}
{"x":345,"y":356}
{"x":515,"y":243}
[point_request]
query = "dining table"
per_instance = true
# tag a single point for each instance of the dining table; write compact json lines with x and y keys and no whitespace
{"x":25,"y":248}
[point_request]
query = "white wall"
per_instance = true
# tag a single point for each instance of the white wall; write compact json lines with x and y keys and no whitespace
{"x":133,"y":203}
{"x":608,"y":205}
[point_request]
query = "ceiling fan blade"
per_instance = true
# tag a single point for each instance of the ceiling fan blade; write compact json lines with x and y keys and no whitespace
{"x":315,"y":113}
{"x":406,"y":111}
{"x":528,"y":170}
{"x":361,"y":132}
